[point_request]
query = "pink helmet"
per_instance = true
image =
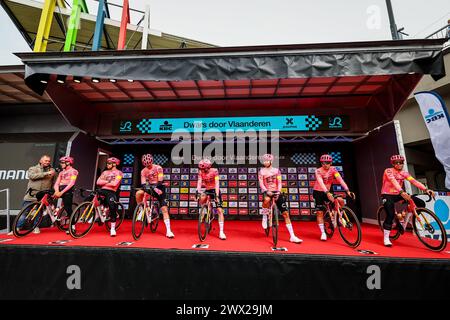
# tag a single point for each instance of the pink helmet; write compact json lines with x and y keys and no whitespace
{"x":267,"y":157}
{"x":326,"y":158}
{"x":67,"y":160}
{"x":113,"y":160}
{"x":397,"y":157}
{"x":147,"y":159}
{"x":205,"y":164}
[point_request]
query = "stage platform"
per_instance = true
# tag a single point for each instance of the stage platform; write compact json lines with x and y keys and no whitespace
{"x":242,"y":267}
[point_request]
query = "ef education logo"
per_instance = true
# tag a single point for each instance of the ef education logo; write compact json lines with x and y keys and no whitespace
{"x":433,"y":116}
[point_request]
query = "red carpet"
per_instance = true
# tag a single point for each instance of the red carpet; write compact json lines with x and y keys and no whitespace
{"x":243,"y":236}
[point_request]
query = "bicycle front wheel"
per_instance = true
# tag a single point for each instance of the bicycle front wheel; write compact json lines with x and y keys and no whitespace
{"x":138,"y":222}
{"x":82,"y":220}
{"x":429,"y":229}
{"x":203,"y":222}
{"x":395,"y":231}
{"x":28,"y":219}
{"x":349,"y":227}
{"x":275,"y":227}
{"x":155,"y":217}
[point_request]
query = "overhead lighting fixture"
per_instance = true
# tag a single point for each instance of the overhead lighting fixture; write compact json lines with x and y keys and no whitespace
{"x":61,"y":78}
{"x":95,"y":80}
{"x":77,"y":79}
{"x":113,"y":80}
{"x":130,"y":80}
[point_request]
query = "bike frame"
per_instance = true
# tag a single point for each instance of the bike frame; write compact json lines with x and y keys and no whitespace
{"x":95,"y":204}
{"x":273,"y":200}
{"x":148,"y":209}
{"x":337,"y":207}
{"x":412,"y":208}
{"x":210,"y":208}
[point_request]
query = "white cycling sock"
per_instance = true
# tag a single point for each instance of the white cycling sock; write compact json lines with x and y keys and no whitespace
{"x":386,"y":234}
{"x":113,"y":225}
{"x":167,"y":223}
{"x":321,"y":227}
{"x":221,"y":226}
{"x":290,"y":229}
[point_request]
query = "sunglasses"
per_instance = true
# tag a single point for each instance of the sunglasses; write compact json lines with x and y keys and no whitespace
{"x":326,"y":162}
{"x":109,"y":163}
{"x":398,"y":162}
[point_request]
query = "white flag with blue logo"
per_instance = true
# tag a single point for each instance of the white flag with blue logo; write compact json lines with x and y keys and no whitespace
{"x":437,"y":121}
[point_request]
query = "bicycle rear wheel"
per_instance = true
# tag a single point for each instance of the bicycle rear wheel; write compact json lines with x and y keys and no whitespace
{"x":120,"y":215}
{"x":203,"y":222}
{"x":138,"y":222}
{"x":349,"y":227}
{"x":429,"y":229}
{"x":395,"y":231}
{"x":82,"y":220}
{"x":28,"y":219}
{"x":275,"y":226}
{"x":155,"y":217}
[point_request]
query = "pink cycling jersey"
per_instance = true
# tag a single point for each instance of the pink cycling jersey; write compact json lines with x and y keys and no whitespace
{"x":152,"y":175}
{"x":110,"y":179}
{"x":66,"y":178}
{"x":324,"y":179}
{"x":393,"y":181}
{"x":270,"y":179}
{"x":208,"y":180}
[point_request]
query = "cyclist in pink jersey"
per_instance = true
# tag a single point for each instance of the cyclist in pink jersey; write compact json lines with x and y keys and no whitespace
{"x":270,"y":182}
{"x":109,"y":182}
{"x":208,"y":178}
{"x":392,"y":192}
{"x":325,"y":176}
{"x":152,"y":177}
{"x":64,"y":183}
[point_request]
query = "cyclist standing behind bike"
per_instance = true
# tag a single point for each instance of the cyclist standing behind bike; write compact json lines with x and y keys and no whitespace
{"x":152,"y":177}
{"x":392,"y":192}
{"x":208,"y":178}
{"x":270,"y":182}
{"x":109,"y":181}
{"x":325,"y":176}
{"x":64,"y":183}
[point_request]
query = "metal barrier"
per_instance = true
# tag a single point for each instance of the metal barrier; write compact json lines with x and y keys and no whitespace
{"x":7,"y":211}
{"x":442,"y":33}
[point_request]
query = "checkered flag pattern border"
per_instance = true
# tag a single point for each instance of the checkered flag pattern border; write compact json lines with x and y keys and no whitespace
{"x":160,"y":159}
{"x":313,"y":123}
{"x":144,"y":126}
{"x":128,"y":158}
{"x":337,"y":156}
{"x":304,"y":158}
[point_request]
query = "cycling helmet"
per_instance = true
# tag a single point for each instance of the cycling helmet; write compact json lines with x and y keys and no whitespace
{"x":147,"y":159}
{"x":204,"y":164}
{"x":267,"y":157}
{"x":326,"y":158}
{"x":66,"y":160}
{"x":113,"y":160}
{"x":397,"y":157}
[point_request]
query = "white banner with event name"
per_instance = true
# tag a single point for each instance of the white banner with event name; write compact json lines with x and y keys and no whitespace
{"x":437,"y":121}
